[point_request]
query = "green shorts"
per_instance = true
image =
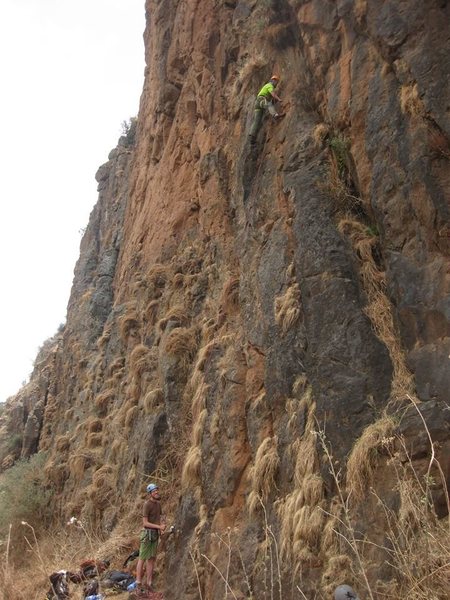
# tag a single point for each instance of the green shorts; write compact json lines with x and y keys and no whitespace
{"x":147,"y":549}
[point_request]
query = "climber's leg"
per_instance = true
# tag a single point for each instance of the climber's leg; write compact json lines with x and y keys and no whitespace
{"x":260,"y":105}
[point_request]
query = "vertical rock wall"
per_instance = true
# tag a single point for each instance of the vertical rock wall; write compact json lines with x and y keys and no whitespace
{"x":231,"y":307}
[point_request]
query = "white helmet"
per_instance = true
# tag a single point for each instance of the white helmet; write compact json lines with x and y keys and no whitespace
{"x":345,"y":592}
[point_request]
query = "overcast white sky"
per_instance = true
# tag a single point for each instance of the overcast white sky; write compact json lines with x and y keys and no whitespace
{"x":70,"y":73}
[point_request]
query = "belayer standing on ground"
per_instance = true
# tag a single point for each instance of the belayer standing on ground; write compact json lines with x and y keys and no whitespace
{"x":153,"y":523}
{"x":265,"y":101}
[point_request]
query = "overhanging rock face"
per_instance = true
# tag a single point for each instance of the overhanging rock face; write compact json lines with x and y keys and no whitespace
{"x":236,"y":311}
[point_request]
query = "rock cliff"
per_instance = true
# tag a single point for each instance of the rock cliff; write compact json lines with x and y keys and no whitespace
{"x":265,"y":331}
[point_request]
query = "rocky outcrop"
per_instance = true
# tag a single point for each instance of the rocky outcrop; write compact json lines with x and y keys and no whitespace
{"x":267,"y":330}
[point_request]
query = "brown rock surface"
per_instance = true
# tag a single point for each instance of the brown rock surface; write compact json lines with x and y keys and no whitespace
{"x":229,"y":303}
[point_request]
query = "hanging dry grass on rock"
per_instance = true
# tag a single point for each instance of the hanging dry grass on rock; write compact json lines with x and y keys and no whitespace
{"x":182,"y":344}
{"x":62,"y":443}
{"x":57,"y":473}
{"x":379,"y":308}
{"x":287,"y":308}
{"x":205,"y":352}
{"x":410,"y":102}
{"x":128,"y":322}
{"x":230,"y":295}
{"x":94,"y":425}
{"x":104,"y":400}
{"x":130,"y":416}
{"x":176,"y":316}
{"x":321,"y":130}
{"x":142,"y":360}
{"x":79,"y":464}
{"x":301,"y":517}
{"x":94,"y":440}
{"x":151,"y":312}
{"x":118,"y":448}
{"x":152,"y":400}
{"x":263,"y":473}
{"x":157,"y":278}
{"x":105,"y":337}
{"x":191,"y":468}
{"x":364,"y":456}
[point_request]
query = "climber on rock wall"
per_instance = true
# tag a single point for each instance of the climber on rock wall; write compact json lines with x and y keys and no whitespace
{"x":265,"y":101}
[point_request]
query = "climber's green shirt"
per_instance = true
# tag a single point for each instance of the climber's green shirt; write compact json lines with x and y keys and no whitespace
{"x":266,"y":90}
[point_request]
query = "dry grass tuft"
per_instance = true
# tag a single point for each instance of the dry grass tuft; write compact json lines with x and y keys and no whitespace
{"x":57,"y":473}
{"x":177,"y":316}
{"x":230,"y":295}
{"x":182,"y":344}
{"x":191,"y":468}
{"x":142,"y":360}
{"x":104,"y":400}
{"x":301,"y":517}
{"x":205,"y":352}
{"x":410,"y":103}
{"x":300,"y":387}
{"x":94,"y":440}
{"x":379,"y":308}
{"x":130,"y":416}
{"x":254,"y":64}
{"x":94,"y":425}
{"x":287,"y":308}
{"x":339,"y":568}
{"x":263,"y":472}
{"x":104,"y":338}
{"x":199,"y":399}
{"x":128,"y":322}
{"x":360,"y":9}
{"x":152,"y":400}
{"x":197,"y":430}
{"x":158,"y":276}
{"x":116,"y":365}
{"x":151,"y":312}
{"x":79,"y":464}
{"x":364,"y":455}
{"x":62,"y":443}
{"x":178,"y":280}
{"x":118,"y":448}
{"x":320,"y":133}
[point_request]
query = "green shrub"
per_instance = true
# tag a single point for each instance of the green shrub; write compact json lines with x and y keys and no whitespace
{"x":14,"y":443}
{"x":23,"y":494}
{"x":340,"y":147}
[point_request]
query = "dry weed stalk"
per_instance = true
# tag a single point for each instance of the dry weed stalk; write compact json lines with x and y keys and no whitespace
{"x":347,"y":522}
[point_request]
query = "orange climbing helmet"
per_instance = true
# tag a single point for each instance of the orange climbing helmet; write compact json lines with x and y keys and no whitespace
{"x":275,"y":78}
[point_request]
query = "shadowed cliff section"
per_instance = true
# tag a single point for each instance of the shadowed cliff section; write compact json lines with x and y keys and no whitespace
{"x":266,"y":331}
